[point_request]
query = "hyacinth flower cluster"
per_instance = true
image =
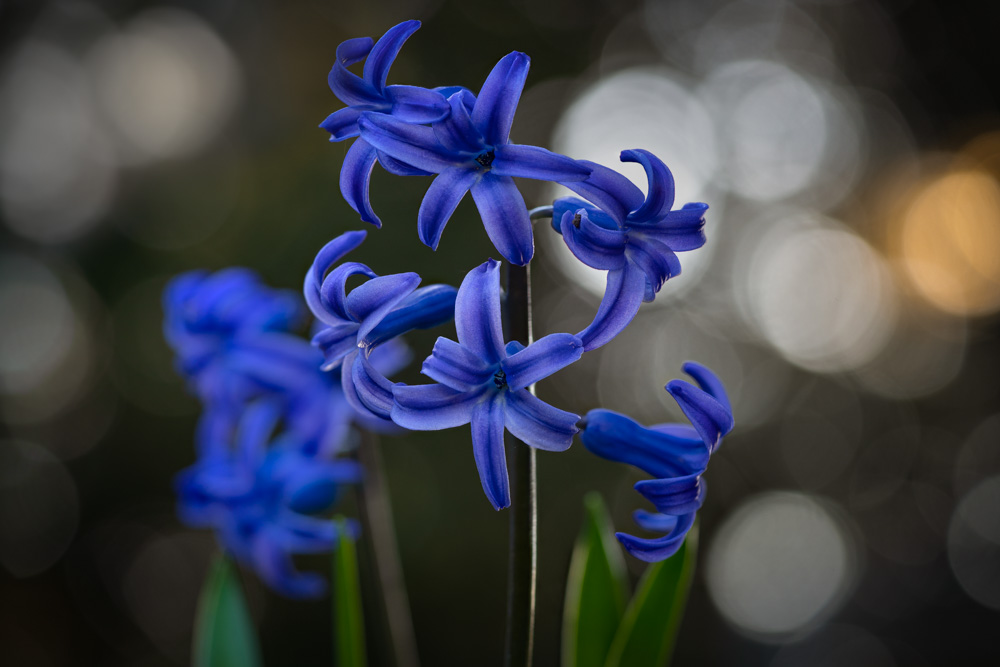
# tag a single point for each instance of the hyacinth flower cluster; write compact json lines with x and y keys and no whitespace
{"x":274,"y":427}
{"x":279,"y":410}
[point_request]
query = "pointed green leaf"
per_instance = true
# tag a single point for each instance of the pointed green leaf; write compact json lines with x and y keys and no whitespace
{"x":224,"y":633}
{"x":648,"y":632}
{"x":348,"y":622}
{"x":596,"y":590}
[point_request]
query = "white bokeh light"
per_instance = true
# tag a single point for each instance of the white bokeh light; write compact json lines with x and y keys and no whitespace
{"x":779,"y":565}
{"x":167,"y":83}
{"x":974,"y":543}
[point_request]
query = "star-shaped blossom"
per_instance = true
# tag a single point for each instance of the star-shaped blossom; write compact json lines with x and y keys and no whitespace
{"x":369,"y":93}
{"x":257,"y":489}
{"x":470,"y":149}
{"x":675,"y":454}
{"x":485,"y":383}
{"x":371,"y":314}
{"x":634,"y":238}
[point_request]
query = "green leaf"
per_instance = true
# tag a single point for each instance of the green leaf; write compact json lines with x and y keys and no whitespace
{"x":348,"y":622}
{"x":224,"y":633}
{"x":648,"y":632}
{"x":596,"y":590}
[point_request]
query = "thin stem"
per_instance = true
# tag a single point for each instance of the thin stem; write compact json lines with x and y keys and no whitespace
{"x":376,"y":516}
{"x":523,"y":560}
{"x":540,"y":213}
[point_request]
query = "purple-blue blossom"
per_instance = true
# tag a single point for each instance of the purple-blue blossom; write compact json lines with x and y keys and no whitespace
{"x":676,"y":455}
{"x":483,"y":382}
{"x":256,"y":486}
{"x":634,"y":238}
{"x":369,"y":93}
{"x":470,"y":150}
{"x":356,"y":323}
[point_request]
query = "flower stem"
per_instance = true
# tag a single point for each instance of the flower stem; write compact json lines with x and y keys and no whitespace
{"x":376,"y":517}
{"x":523,"y":559}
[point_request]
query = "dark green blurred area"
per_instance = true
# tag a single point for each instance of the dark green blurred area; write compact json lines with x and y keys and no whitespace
{"x":117,"y":583}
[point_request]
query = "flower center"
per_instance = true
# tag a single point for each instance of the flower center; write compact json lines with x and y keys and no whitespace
{"x":485,"y":159}
{"x":500,"y":379}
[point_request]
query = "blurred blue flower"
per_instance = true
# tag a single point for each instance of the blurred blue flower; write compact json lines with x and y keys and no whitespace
{"x":633,"y":237}
{"x":356,"y":324}
{"x":470,"y":150}
{"x":257,"y":488}
{"x":409,"y":104}
{"x":484,"y":383}
{"x":675,"y":454}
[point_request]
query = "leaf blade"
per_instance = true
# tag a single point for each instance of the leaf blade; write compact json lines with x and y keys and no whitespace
{"x":649,"y":628}
{"x":349,"y":630}
{"x":596,"y":590}
{"x":224,"y":631}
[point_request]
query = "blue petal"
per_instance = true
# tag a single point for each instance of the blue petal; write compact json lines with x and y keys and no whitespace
{"x":342,"y":124}
{"x":538,"y":424}
{"x":415,"y":145}
{"x":622,"y":298}
{"x":513,"y":347}
{"x":456,"y":366}
{"x":413,"y":104}
{"x":336,"y":341}
{"x":477,"y":312}
{"x":592,"y":244}
{"x":494,"y":110}
{"x":673,"y":495}
{"x":391,"y":357}
{"x":363,"y":414}
{"x":441,"y":200}
{"x":457,"y":133}
{"x":657,"y":261}
{"x":613,"y":193}
{"x":709,"y":417}
{"x":709,"y":382}
{"x":537,"y":163}
{"x":658,"y":523}
{"x":355,"y":176}
{"x":683,"y":229}
{"x":350,"y":88}
{"x":467,"y":97}
{"x":274,"y":564}
{"x":615,"y":437}
{"x":371,"y":301}
{"x":660,"y":548}
{"x":541,"y":359}
{"x":328,"y":255}
{"x":487,"y":446}
{"x":373,"y":389}
{"x":660,"y":193}
{"x":397,"y":167}
{"x":432,"y":407}
{"x":505,"y":217}
{"x":333,"y":291}
{"x":425,"y":308}
{"x":385,"y":51}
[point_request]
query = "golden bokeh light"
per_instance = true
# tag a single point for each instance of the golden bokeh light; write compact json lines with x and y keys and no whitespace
{"x":949,"y":241}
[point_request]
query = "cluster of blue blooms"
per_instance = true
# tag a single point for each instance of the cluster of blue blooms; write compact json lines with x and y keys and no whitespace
{"x":278,"y":410}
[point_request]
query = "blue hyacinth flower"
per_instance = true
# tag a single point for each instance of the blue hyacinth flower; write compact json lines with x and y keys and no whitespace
{"x":256,"y":488}
{"x":375,"y":312}
{"x":675,"y":454}
{"x":485,"y":383}
{"x":633,"y":238}
{"x":470,"y":150}
{"x":369,"y":93}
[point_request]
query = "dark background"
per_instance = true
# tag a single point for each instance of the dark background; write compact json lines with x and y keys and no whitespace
{"x":96,"y":569}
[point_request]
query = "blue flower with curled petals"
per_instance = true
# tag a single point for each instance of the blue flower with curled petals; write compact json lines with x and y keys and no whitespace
{"x":675,"y":454}
{"x":369,"y":93}
{"x":485,"y":383}
{"x":470,"y":150}
{"x":634,"y":238}
{"x":256,"y":488}
{"x":356,"y":323}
